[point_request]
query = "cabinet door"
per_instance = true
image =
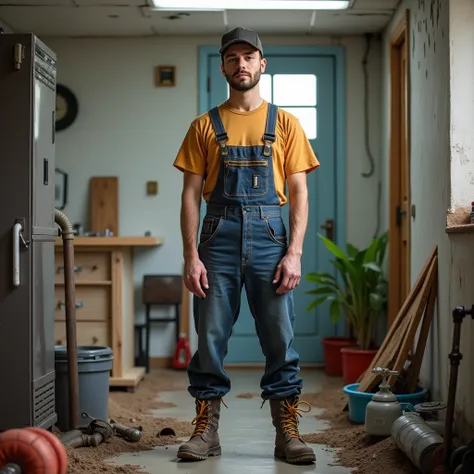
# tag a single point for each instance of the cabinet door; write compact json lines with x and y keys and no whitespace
{"x":43,"y":308}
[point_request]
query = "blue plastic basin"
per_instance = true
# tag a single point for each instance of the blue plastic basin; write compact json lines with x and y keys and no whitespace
{"x":357,"y":401}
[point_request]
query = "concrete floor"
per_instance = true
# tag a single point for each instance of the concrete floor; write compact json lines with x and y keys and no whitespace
{"x":246,"y":433}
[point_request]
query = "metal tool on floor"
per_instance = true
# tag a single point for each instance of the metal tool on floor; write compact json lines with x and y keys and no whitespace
{"x":429,"y":412}
{"x":384,"y":407}
{"x":417,"y":440}
{"x":31,"y":451}
{"x":97,"y":432}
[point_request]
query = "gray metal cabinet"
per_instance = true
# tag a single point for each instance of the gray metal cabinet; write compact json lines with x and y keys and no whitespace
{"x":27,"y":232}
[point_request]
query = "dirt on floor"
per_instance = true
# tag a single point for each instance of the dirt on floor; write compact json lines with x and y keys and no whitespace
{"x":357,"y":449}
{"x":133,"y":410}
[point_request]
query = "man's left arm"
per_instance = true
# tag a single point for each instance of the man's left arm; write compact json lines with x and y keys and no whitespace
{"x":289,"y":268}
{"x":300,"y":160}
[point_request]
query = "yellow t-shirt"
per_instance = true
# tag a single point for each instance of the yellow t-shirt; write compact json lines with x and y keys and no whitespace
{"x":292,"y":152}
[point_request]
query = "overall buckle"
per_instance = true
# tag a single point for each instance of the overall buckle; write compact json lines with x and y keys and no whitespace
{"x":223,"y":147}
{"x":267,"y":149}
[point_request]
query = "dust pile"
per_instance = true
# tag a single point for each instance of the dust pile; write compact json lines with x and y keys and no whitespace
{"x":460,"y":217}
{"x":357,"y":449}
{"x":133,"y":410}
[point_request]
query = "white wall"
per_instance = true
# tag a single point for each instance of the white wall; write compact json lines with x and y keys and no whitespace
{"x":462,"y":105}
{"x":431,"y":127}
{"x":128,"y":128}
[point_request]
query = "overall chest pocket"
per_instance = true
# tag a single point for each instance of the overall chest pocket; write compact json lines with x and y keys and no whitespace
{"x":247,"y":177}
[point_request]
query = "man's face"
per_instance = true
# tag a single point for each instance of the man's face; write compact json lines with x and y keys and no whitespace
{"x":242,"y":67}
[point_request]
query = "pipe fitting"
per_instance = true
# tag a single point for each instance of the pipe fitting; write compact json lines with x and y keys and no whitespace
{"x":67,"y":230}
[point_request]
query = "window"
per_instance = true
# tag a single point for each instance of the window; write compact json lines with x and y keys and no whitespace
{"x":296,"y":93}
{"x":294,"y":90}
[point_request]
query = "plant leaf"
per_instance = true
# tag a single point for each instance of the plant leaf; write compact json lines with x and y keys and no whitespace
{"x":321,"y":291}
{"x":373,"y":266}
{"x":334,"y":311}
{"x":316,"y":302}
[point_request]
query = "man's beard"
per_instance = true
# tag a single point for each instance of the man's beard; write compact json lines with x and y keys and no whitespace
{"x":242,"y":86}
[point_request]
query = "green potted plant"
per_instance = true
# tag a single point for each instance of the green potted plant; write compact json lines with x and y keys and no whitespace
{"x":359,"y":293}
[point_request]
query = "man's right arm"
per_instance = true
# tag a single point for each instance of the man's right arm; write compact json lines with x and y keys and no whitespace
{"x":190,"y":210}
{"x":195,"y":274}
{"x":191,"y":160}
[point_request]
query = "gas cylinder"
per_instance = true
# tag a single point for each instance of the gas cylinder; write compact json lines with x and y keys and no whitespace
{"x":384,"y":407}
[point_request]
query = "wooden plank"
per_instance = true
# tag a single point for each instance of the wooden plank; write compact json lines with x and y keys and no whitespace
{"x":114,"y":242}
{"x":415,"y":320}
{"x":131,"y":378}
{"x":104,"y":203}
{"x":386,"y":358}
{"x":117,"y":321}
{"x":414,"y":369}
{"x":407,"y":303}
{"x":395,"y":354}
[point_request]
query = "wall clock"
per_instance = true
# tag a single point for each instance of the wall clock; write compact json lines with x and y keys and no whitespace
{"x":66,"y":107}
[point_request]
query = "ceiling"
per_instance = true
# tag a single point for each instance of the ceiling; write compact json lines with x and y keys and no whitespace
{"x":133,"y":18}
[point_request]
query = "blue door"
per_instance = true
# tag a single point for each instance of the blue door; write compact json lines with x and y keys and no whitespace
{"x":308,"y":82}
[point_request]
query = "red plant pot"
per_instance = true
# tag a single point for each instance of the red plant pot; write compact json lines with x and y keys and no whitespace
{"x":332,"y":354}
{"x":355,"y":362}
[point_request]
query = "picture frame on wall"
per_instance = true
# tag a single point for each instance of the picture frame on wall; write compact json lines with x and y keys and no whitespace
{"x":165,"y":76}
{"x":60,"y":189}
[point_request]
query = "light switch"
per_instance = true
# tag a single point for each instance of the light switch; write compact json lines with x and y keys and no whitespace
{"x":152,"y":188}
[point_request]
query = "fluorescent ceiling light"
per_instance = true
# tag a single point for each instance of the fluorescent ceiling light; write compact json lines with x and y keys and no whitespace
{"x":221,"y":5}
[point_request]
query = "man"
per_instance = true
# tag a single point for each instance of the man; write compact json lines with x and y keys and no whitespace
{"x":238,"y":156}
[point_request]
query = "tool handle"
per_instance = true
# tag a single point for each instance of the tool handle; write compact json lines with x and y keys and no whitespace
{"x":133,"y":434}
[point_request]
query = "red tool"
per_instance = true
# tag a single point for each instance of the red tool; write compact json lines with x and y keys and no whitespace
{"x":182,"y":354}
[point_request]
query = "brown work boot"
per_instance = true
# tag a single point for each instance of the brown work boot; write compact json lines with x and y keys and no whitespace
{"x":288,"y":443}
{"x":204,"y":441}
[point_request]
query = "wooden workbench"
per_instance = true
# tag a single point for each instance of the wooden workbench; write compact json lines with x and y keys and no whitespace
{"x":104,"y":299}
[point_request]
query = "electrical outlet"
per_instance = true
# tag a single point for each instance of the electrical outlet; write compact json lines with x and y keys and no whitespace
{"x":152,"y":188}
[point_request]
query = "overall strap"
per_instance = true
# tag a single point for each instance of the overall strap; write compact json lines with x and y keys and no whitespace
{"x":270,"y":127}
{"x":219,"y":130}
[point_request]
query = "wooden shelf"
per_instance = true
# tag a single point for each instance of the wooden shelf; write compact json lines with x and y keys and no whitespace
{"x":88,"y":283}
{"x":110,"y":242}
{"x":460,"y":229}
{"x":130,"y":379}
{"x":104,"y":287}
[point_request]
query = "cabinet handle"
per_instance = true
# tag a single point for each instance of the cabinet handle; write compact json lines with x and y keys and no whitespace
{"x":17,"y":228}
{"x":62,"y":304}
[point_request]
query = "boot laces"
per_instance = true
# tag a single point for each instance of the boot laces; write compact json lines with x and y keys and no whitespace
{"x":290,"y":414}
{"x":201,"y":420}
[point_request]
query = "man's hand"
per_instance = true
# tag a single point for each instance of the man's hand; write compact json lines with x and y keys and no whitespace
{"x":195,"y":276}
{"x":288,"y":272}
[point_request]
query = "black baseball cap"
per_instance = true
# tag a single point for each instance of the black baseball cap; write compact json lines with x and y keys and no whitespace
{"x":240,"y":35}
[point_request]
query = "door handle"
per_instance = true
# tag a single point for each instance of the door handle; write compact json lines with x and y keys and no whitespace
{"x":329,"y":227}
{"x":17,"y":228}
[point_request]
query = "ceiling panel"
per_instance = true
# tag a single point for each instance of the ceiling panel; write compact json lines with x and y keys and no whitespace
{"x":134,"y":18}
{"x":105,"y":3}
{"x":283,"y":22}
{"x":376,"y":4}
{"x":63,"y":21}
{"x":197,"y":23}
{"x":20,"y":3}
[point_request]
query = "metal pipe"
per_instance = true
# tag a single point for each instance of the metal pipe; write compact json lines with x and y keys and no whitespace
{"x":455,"y":358}
{"x":67,"y":233}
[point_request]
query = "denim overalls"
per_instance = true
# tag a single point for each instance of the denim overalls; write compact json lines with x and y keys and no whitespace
{"x":242,"y":240}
